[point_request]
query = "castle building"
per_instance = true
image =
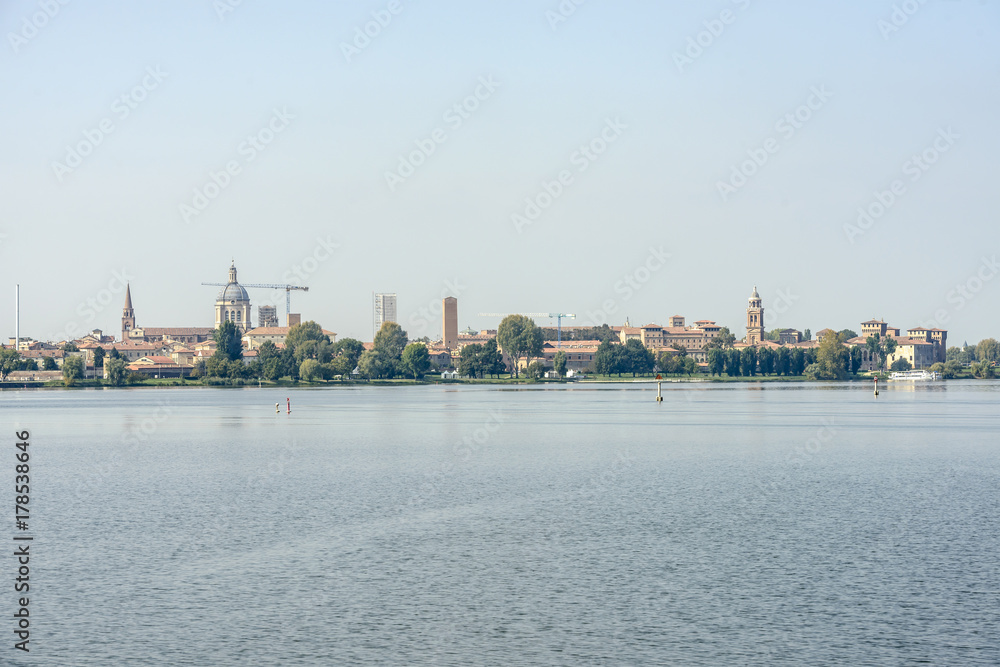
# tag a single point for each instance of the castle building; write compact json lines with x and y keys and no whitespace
{"x":755,"y":319}
{"x":233,"y":304}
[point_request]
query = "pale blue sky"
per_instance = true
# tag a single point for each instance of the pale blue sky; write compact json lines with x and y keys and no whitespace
{"x":448,"y":226}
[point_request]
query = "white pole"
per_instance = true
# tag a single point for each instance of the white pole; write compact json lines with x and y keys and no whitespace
{"x":17,"y":316}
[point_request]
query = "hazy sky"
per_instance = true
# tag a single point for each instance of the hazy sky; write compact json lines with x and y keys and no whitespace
{"x":116,"y":115}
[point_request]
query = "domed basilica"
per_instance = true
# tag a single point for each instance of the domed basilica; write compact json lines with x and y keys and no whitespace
{"x":233,"y":304}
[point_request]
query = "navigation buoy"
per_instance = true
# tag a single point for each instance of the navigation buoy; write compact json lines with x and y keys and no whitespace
{"x":277,"y":408}
{"x":659,"y":398}
{"x":876,"y":386}
{"x":289,"y":405}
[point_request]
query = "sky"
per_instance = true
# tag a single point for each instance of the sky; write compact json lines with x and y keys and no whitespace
{"x":612,"y":160}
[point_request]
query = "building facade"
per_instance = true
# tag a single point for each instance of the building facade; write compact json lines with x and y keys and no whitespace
{"x":233,"y":304}
{"x":384,"y":310}
{"x":449,"y":322}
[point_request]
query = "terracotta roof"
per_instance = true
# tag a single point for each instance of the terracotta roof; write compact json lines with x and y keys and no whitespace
{"x":277,"y":331}
{"x":176,"y":331}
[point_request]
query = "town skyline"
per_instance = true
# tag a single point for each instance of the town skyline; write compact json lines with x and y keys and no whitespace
{"x":428,"y":317}
{"x":332,"y":146}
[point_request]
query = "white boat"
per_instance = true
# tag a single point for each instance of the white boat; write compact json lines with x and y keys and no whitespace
{"x":915,"y":376}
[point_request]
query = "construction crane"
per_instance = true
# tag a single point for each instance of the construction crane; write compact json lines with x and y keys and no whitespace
{"x":558,"y":317}
{"x":288,"y":292}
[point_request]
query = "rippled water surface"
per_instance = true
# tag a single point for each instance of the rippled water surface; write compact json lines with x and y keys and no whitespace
{"x":577,"y":525}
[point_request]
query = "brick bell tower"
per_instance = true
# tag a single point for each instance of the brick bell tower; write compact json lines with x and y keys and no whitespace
{"x":128,"y":314}
{"x":755,"y":319}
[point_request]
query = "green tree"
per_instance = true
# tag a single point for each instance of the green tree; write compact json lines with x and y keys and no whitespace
{"x":117,"y":371}
{"x":373,"y":364}
{"x":901,"y":364}
{"x":733,"y":363}
{"x":346,"y":353}
{"x":637,"y":359}
{"x":559,"y":363}
{"x":807,"y":335}
{"x":988,"y":350}
{"x":491,"y":358}
{"x":228,"y":341}
{"x":114,"y":353}
{"x":534,"y":370}
{"x":773,"y":334}
{"x":69,"y":347}
{"x":832,"y":359}
{"x":267,"y":351}
{"x":846,"y":334}
{"x":782,"y":361}
{"x":796,"y":362}
{"x":716,"y":361}
{"x":303,"y":332}
{"x":765,"y":360}
{"x":690,"y":365}
{"x":310,"y":370}
{"x":10,"y":360}
{"x":469,"y":364}
{"x":856,"y":358}
{"x":72,"y":370}
{"x":519,"y":336}
{"x":983,"y":369}
{"x":49,"y":364}
{"x":606,"y":358}
{"x":390,"y":340}
{"x":748,"y":361}
{"x":416,"y":360}
{"x":681,"y":350}
{"x":99,"y":357}
{"x":724,"y":339}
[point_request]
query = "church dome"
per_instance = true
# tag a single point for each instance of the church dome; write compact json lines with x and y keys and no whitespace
{"x":755,"y":295}
{"x":233,"y":292}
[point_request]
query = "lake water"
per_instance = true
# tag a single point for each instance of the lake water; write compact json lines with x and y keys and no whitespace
{"x":584,"y":524}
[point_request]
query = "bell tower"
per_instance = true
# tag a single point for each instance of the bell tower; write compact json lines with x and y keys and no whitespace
{"x":128,"y":314}
{"x":755,"y":319}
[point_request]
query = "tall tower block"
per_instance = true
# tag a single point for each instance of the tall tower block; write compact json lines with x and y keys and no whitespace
{"x":449,"y":322}
{"x":755,"y":319}
{"x":128,"y":314}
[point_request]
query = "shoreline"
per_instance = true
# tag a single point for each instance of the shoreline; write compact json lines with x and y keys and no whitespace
{"x":404,"y":382}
